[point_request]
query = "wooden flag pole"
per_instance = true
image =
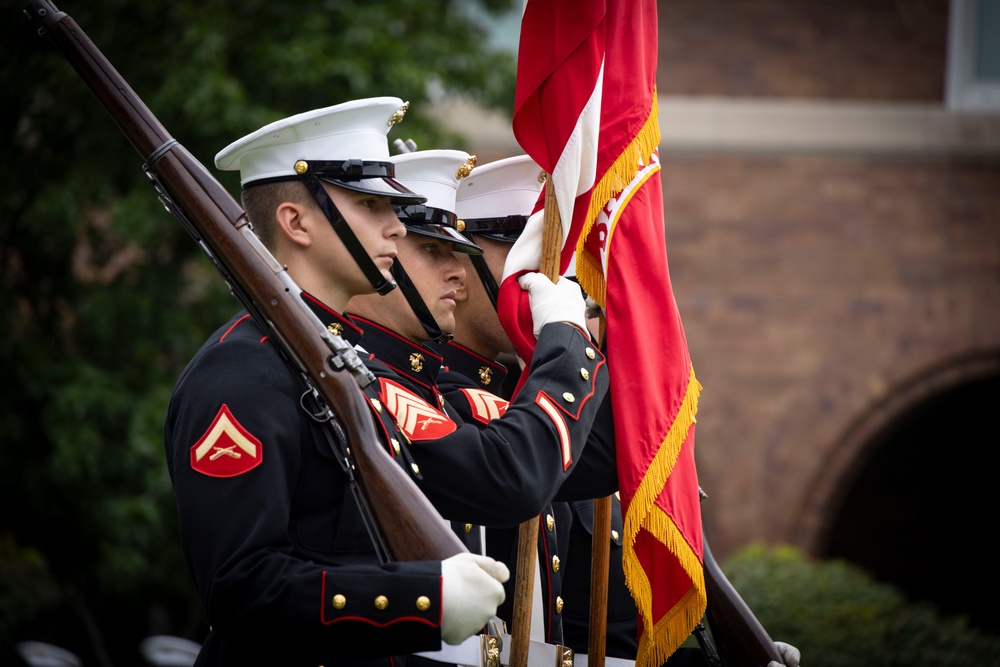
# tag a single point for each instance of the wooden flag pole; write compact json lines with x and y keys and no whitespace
{"x":527,"y":548}
{"x":527,"y":539}
{"x":599,"y":565}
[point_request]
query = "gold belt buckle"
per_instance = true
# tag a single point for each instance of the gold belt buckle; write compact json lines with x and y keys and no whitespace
{"x":491,"y":647}
{"x":564,"y":656}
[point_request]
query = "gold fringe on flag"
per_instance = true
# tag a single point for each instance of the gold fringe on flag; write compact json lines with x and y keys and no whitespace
{"x":643,"y":513}
{"x":621,"y":172}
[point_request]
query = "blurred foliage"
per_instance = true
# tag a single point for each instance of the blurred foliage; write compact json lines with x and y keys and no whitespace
{"x":104,"y":297}
{"x":838,"y":616}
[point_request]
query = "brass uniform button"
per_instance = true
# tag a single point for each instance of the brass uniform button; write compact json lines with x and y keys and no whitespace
{"x":415,"y":468}
{"x":423,"y":603}
{"x":559,"y":604}
{"x":590,"y":353}
{"x":550,"y":521}
{"x":339,"y":601}
{"x":468,"y":527}
{"x":395,"y":445}
{"x":568,"y":397}
{"x":555,"y":563}
{"x":377,"y":405}
{"x":584,"y":373}
{"x":614,"y":535}
{"x":381,"y":602}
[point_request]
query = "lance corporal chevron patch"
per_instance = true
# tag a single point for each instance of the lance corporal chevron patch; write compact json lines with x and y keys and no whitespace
{"x":226,"y":449}
{"x":415,"y":417}
{"x":485,"y":405}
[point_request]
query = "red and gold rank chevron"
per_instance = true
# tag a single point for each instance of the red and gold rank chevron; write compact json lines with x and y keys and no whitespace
{"x":226,"y":449}
{"x":485,"y":405}
{"x":415,"y":417}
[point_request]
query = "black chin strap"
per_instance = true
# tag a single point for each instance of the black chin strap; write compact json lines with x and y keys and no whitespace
{"x":381,"y":284}
{"x":417,"y":304}
{"x":486,"y":277}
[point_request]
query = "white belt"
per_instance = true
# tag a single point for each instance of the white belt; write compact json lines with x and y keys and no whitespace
{"x":473,"y":653}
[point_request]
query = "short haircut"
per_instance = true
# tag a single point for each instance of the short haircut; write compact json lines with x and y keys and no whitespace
{"x":261,"y":201}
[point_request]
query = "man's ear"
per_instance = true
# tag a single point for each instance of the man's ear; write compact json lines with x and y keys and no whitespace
{"x":294,"y":223}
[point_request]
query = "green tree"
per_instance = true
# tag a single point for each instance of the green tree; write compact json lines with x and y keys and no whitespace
{"x":839,"y":616}
{"x":104,"y":297}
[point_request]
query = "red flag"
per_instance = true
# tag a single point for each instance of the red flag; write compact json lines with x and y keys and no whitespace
{"x":586,"y":111}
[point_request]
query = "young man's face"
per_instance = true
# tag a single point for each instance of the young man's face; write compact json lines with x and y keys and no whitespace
{"x":376,"y":226}
{"x":439,"y":278}
{"x":476,"y":324}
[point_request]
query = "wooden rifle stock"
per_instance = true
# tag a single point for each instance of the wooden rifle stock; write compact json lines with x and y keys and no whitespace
{"x":739,"y":637}
{"x":409,"y":526}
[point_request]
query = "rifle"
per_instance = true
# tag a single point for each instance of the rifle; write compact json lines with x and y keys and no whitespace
{"x":739,"y":637}
{"x":408,"y":526}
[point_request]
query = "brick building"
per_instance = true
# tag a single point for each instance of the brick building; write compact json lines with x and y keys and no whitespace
{"x":833,"y":226}
{"x":832,"y":206}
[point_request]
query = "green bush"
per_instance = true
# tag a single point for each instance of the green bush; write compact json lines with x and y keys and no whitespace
{"x":838,"y":616}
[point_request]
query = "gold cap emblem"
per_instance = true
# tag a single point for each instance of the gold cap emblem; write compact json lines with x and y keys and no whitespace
{"x":381,"y":602}
{"x":485,"y":374}
{"x":416,"y":362}
{"x":398,"y":116}
{"x":301,"y":167}
{"x":466,"y":168}
{"x":339,"y":601}
{"x":423,"y":603}
{"x":460,"y":225}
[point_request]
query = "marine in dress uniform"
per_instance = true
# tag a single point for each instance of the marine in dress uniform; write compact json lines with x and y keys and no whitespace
{"x":274,"y":540}
{"x":493,"y":206}
{"x":505,"y":471}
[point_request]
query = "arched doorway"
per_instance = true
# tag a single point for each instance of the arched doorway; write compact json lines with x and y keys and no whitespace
{"x":916,"y":506}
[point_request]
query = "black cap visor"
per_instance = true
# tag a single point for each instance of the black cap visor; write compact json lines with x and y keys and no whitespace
{"x":506,"y":229}
{"x":436,"y":223}
{"x":383,"y":187}
{"x":370,"y":177}
{"x":458,"y":242}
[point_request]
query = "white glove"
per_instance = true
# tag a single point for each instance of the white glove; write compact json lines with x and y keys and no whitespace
{"x":789,"y":655}
{"x":554,"y":302}
{"x":471,"y":591}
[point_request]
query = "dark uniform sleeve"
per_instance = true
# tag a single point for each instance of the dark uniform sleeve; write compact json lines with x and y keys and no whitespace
{"x":509,"y":470}
{"x":261,"y":543}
